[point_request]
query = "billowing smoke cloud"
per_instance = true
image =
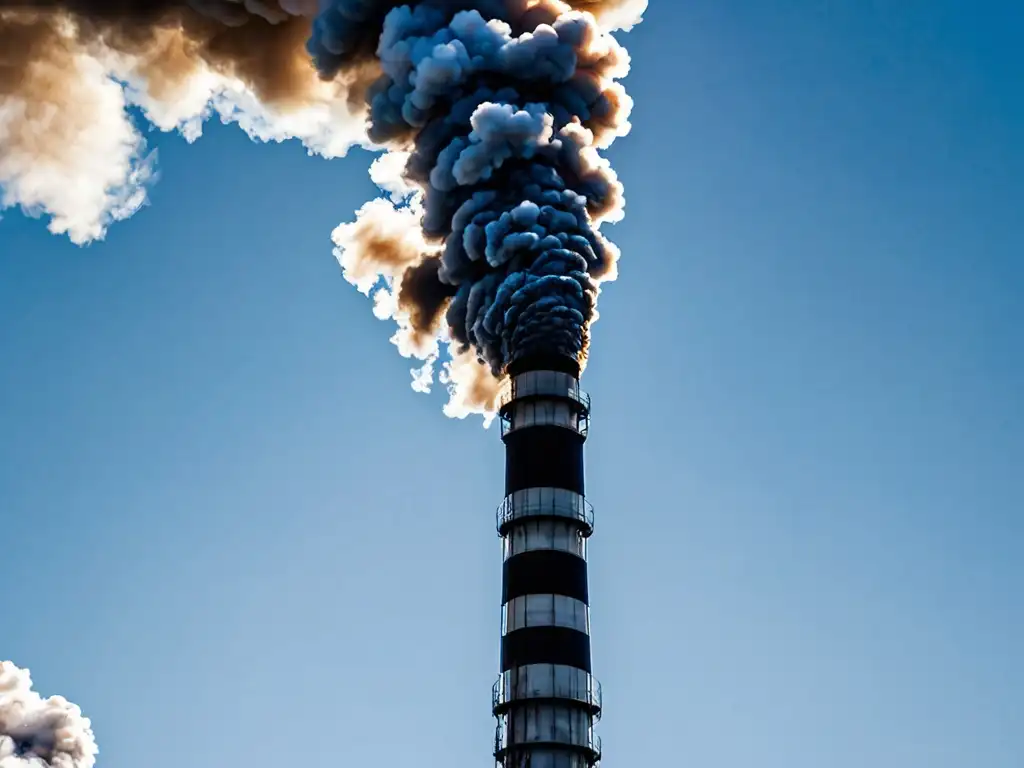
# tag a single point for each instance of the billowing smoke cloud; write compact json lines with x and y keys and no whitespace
{"x":37,"y":732}
{"x":70,"y":69}
{"x":496,"y":110}
{"x":493,"y":113}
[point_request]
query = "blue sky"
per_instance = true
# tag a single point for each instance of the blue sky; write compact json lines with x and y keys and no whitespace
{"x":234,"y":534}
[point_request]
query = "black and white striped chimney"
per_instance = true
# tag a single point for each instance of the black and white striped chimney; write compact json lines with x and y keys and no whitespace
{"x":546,"y":700}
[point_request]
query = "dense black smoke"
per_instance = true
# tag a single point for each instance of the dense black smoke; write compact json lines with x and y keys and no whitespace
{"x":500,"y":107}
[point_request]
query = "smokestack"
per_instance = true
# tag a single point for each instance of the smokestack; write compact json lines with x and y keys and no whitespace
{"x":494,"y":114}
{"x":500,"y":108}
{"x":546,"y":699}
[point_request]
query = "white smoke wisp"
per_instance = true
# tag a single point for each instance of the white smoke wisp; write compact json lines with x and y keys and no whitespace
{"x":386,"y":171}
{"x":621,"y":15}
{"x":326,"y":124}
{"x":37,"y":732}
{"x":70,"y":151}
{"x":374,"y":253}
{"x":472,"y":389}
{"x":68,"y":147}
{"x":382,"y":242}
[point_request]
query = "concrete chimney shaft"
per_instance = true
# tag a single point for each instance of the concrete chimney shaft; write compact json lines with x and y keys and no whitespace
{"x":546,"y":700}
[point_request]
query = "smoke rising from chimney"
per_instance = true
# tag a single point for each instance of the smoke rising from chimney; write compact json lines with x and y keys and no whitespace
{"x":495,"y":110}
{"x":37,"y":732}
{"x":493,"y":113}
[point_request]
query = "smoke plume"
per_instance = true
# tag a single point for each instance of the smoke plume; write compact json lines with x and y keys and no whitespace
{"x":37,"y":732}
{"x":493,"y":114}
{"x":495,"y":110}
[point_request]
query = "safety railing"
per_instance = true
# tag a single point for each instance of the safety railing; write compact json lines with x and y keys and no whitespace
{"x":586,"y":692}
{"x":590,"y":744}
{"x":545,"y":503}
{"x":543,"y":384}
{"x":524,"y":415}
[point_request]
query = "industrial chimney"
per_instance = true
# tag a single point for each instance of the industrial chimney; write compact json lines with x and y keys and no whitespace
{"x":546,"y":700}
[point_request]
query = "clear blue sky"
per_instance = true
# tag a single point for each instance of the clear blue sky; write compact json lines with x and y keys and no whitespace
{"x":234,"y":535}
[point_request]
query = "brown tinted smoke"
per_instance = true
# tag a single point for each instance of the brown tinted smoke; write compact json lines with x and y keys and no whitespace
{"x":170,"y":38}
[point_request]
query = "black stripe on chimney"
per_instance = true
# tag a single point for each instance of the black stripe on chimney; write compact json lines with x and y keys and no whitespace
{"x":544,"y":456}
{"x":545,"y":572}
{"x":542,"y":362}
{"x":545,"y":645}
